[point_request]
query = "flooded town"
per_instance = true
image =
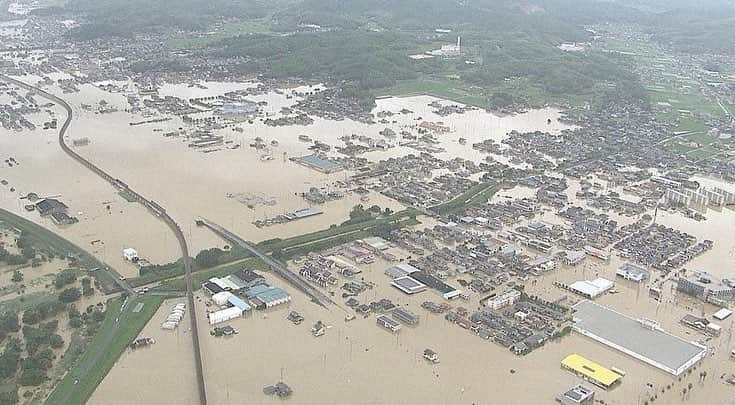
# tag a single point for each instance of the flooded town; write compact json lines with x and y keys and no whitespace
{"x":192,"y":214}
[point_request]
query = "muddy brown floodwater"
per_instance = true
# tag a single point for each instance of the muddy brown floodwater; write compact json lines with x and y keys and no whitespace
{"x":356,"y":362}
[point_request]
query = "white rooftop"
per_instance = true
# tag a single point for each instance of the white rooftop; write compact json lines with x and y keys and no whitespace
{"x":722,"y":314}
{"x":592,"y":288}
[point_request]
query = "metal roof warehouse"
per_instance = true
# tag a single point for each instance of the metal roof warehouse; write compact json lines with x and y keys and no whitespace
{"x":640,"y":338}
{"x":408,"y":285}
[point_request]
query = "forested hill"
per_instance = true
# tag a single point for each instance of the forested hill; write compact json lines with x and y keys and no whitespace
{"x":691,"y":26}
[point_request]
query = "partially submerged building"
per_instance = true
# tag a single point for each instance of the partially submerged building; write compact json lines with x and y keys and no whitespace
{"x":591,"y":371}
{"x":237,"y":282}
{"x":642,"y":339}
{"x":577,"y":395}
{"x":503,"y":299}
{"x":632,"y":272}
{"x":707,"y":287}
{"x":265,"y":296}
{"x":48,"y":206}
{"x":408,"y":285}
{"x":318,"y":163}
{"x":234,"y":307}
{"x":591,"y":288}
{"x":388,"y":323}
{"x":405,"y":316}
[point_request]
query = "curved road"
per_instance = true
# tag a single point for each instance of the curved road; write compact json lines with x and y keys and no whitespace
{"x":151,"y":205}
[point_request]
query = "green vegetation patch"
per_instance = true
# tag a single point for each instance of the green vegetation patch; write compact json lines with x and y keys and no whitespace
{"x":477,"y":195}
{"x":26,"y":301}
{"x":113,"y":18}
{"x":204,"y":260}
{"x":275,"y":245}
{"x":179,"y":284}
{"x":114,"y":335}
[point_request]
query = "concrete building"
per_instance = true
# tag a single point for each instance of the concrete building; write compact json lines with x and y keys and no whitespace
{"x":408,"y":285}
{"x":388,"y":323}
{"x":707,"y":287}
{"x":572,"y":257}
{"x":448,"y":51}
{"x":676,"y":198}
{"x":49,"y":206}
{"x":228,"y":283}
{"x":722,"y":314}
{"x":224,"y":315}
{"x":631,"y":272}
{"x":238,"y":110}
{"x":250,"y":278}
{"x":593,"y":288}
{"x":503,"y":300}
{"x":303,"y":213}
{"x":577,"y":395}
{"x":598,"y":253}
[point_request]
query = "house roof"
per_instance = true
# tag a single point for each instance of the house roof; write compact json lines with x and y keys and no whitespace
{"x":50,"y":204}
{"x":249,"y":276}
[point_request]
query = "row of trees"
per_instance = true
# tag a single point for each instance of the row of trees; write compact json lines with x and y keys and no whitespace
{"x":361,"y":214}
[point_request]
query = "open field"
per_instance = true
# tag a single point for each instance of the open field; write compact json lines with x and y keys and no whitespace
{"x":679,"y":100}
{"x":698,"y":145}
{"x":442,"y":87}
{"x":681,"y":108}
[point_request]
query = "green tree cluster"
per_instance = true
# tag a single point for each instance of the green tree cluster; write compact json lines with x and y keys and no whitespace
{"x":64,"y":278}
{"x":70,"y":294}
{"x":8,"y":324}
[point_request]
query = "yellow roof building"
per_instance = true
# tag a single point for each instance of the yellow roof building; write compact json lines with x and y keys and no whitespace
{"x":591,"y":371}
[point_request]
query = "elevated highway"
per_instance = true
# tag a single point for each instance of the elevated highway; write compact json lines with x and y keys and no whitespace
{"x":152,"y":206}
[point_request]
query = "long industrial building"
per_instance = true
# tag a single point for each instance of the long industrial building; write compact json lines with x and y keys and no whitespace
{"x":640,"y":338}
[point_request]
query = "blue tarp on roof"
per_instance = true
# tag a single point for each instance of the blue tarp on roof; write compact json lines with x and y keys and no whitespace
{"x":232,"y":299}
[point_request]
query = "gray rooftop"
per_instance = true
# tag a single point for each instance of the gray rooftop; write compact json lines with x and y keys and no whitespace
{"x":320,"y":162}
{"x":629,"y":335}
{"x":408,"y":285}
{"x":633,"y":269}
